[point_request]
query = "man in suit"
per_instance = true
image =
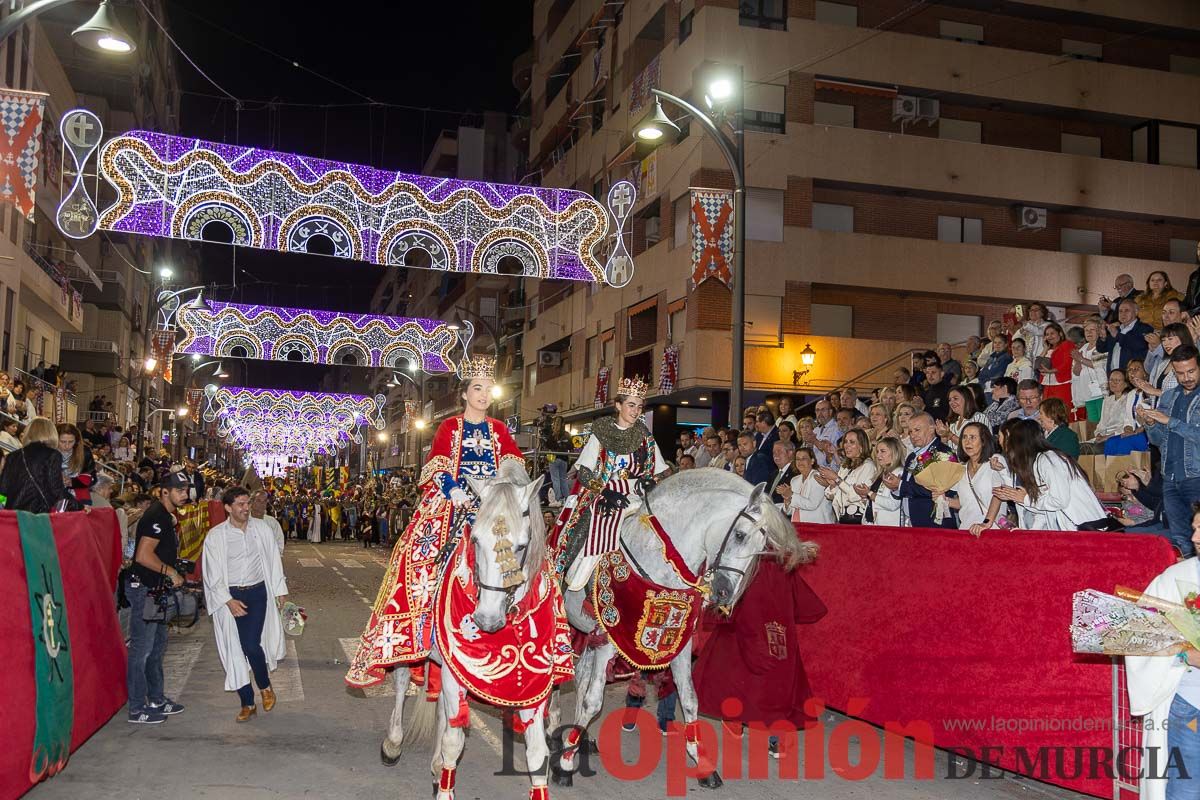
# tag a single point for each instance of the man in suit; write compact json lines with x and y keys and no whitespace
{"x":783,"y":454}
{"x":916,"y":501}
{"x":765,"y":432}
{"x":759,"y":467}
{"x":1125,"y":339}
{"x":1109,"y":309}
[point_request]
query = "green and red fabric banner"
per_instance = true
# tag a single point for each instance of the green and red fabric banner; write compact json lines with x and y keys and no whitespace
{"x":65,"y":658}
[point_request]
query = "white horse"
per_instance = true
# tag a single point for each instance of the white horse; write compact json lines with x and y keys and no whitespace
{"x":508,"y":507}
{"x":719,"y":523}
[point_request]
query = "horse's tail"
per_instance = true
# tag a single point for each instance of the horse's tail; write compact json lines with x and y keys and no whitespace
{"x":422,"y":721}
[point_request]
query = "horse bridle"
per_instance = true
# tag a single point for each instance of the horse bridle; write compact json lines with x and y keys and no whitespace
{"x":510,"y":591}
{"x":717,"y":565}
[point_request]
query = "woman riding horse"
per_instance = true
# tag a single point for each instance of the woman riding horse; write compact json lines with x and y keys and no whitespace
{"x":470,"y":445}
{"x":619,"y":456}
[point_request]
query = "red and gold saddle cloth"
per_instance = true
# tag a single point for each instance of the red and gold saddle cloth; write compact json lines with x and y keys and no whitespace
{"x":517,"y":665}
{"x":648,"y":624}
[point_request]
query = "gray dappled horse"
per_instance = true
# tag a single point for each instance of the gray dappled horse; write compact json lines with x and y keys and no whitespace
{"x":720,"y":524}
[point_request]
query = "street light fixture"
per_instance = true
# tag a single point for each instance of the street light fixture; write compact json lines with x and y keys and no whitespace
{"x":725,"y":97}
{"x":420,"y":423}
{"x":382,"y":437}
{"x":151,"y":363}
{"x":166,"y":273}
{"x":103,"y":32}
{"x":182,"y":411}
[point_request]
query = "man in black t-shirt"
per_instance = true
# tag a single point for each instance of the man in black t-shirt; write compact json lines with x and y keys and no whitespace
{"x":155,"y":554}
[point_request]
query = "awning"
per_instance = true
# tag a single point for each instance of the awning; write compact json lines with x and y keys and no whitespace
{"x":855,"y":88}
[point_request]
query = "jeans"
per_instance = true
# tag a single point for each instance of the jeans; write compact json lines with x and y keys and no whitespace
{"x":1178,"y":496}
{"x":250,"y":628}
{"x":147,"y":646}
{"x":558,"y":478}
{"x":1186,"y":742}
{"x":665,"y":711}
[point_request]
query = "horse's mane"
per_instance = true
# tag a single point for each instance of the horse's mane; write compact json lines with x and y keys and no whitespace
{"x":511,"y":478}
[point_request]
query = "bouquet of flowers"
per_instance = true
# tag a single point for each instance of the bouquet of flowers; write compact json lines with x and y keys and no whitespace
{"x":293,"y":618}
{"x":1133,"y":624}
{"x":938,"y":472}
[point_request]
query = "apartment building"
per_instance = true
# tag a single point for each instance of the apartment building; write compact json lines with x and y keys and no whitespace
{"x":81,"y":304}
{"x":486,"y":149}
{"x":914,"y":170}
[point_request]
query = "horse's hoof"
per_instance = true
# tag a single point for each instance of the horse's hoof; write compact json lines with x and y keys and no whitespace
{"x":592,"y":748}
{"x":560,"y":778}
{"x":387,"y":760}
{"x":711,"y":781}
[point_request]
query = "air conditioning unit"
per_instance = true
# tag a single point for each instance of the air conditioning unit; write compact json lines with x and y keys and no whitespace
{"x":904,"y":106}
{"x":928,"y":109}
{"x":1031,"y":218}
{"x":549,"y":358}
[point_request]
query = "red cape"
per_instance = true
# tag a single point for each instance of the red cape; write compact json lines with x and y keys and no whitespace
{"x":754,"y":655}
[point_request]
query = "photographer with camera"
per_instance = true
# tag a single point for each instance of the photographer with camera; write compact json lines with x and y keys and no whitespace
{"x":155,"y":553}
{"x":244,"y":589}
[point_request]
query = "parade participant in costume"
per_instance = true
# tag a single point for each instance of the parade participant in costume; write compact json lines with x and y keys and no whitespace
{"x":619,"y":456}
{"x":471,"y":444}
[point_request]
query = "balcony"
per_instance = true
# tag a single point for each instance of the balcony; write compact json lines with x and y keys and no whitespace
{"x":111,"y":293}
{"x":101,"y":357}
{"x":46,"y":290}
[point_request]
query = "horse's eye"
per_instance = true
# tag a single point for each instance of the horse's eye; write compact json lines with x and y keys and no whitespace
{"x":740,"y":536}
{"x":519,"y":548}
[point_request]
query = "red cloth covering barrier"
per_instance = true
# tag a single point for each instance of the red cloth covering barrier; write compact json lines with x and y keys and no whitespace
{"x":89,"y":555}
{"x":938,"y":626}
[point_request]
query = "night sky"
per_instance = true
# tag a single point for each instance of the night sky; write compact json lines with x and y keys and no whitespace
{"x":454,"y":57}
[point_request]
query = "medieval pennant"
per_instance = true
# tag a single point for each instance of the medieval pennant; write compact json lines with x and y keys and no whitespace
{"x":712,"y":236}
{"x":21,"y":116}
{"x":659,"y":621}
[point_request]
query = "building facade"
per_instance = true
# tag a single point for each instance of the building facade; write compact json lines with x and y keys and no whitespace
{"x":81,"y":304}
{"x":914,"y":171}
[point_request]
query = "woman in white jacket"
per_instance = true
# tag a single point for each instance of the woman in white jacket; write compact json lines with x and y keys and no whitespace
{"x":976,"y":505}
{"x":806,"y":500}
{"x":1051,"y":491}
{"x":244,"y":588}
{"x":1165,"y":690}
{"x":882,"y":507}
{"x":857,"y":468}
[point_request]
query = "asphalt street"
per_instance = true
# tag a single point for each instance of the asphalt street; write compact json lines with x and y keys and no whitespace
{"x":322,"y":739}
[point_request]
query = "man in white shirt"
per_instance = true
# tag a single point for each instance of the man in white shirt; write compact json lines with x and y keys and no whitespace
{"x":258,"y":510}
{"x":244,"y":588}
{"x":712,"y":452}
{"x":828,"y":433}
{"x":687,"y":446}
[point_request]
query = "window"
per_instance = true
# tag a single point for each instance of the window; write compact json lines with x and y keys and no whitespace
{"x":957,"y":327}
{"x":764,"y":215}
{"x":764,"y":318}
{"x":1086,"y":51}
{"x":830,"y":320}
{"x":1081,"y":145}
{"x":606,"y":350}
{"x":965,"y":230}
{"x":678,"y":322}
{"x":1141,"y":144}
{"x":830,"y":217}
{"x":1185,"y":64}
{"x":683,"y":220}
{"x":833,"y":114}
{"x":685,"y":26}
{"x":765,"y":107}
{"x":771,"y":14}
{"x":960,"y":129}
{"x":836,"y":14}
{"x":1183,"y":251}
{"x":1075,"y":240}
{"x":960,"y":31}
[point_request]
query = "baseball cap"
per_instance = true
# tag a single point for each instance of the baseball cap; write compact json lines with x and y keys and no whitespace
{"x":176,"y":480}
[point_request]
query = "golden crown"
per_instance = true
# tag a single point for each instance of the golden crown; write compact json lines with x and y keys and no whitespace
{"x":633,"y":387}
{"x":473,"y":367}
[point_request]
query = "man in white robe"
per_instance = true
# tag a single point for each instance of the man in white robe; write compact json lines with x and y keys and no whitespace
{"x":314,"y":522}
{"x":244,"y":588}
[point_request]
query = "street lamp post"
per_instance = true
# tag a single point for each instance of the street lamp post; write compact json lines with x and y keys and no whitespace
{"x":153,"y":310}
{"x":726,"y":97}
{"x":421,"y":389}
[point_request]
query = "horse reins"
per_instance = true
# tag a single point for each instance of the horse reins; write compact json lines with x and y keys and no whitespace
{"x":717,"y":565}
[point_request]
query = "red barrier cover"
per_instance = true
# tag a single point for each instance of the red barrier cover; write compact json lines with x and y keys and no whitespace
{"x":970,"y":635}
{"x":89,"y":555}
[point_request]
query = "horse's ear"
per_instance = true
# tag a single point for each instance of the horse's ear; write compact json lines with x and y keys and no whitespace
{"x":477,"y":485}
{"x":757,"y":494}
{"x":531,"y":491}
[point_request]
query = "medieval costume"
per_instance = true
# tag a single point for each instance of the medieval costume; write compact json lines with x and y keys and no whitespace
{"x":614,"y":460}
{"x":754,"y":656}
{"x":399,"y":630}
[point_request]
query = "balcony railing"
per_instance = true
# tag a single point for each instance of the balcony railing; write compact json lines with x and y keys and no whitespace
{"x":60,"y":272}
{"x":90,"y":345}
